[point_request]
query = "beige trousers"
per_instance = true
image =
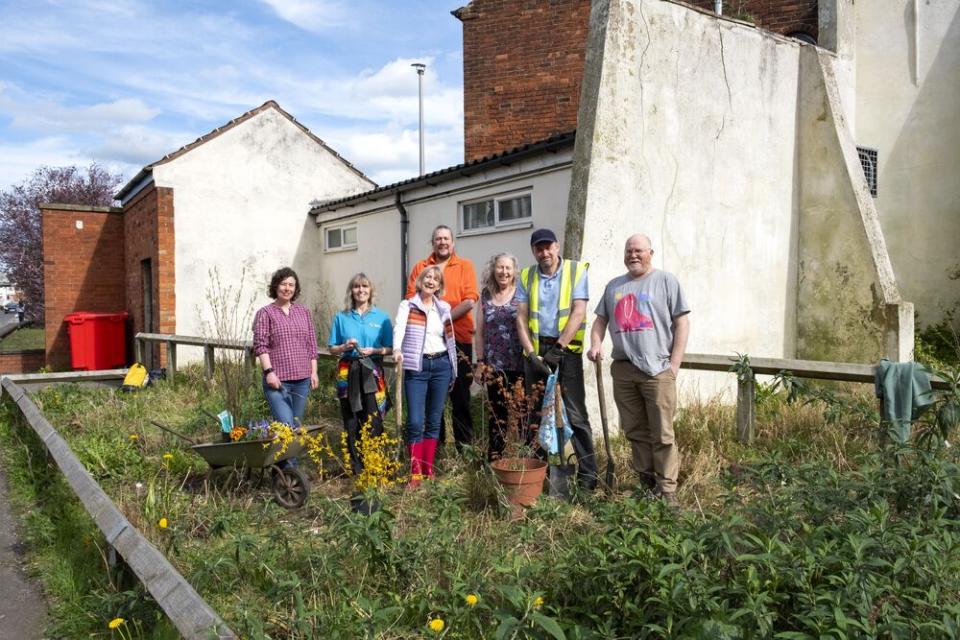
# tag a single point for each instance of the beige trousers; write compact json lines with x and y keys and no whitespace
{"x":647,"y":405}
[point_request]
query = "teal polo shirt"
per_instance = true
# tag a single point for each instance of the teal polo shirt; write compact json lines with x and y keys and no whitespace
{"x":372,"y":329}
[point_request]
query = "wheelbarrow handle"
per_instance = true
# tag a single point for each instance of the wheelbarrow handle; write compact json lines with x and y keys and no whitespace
{"x":169,"y":430}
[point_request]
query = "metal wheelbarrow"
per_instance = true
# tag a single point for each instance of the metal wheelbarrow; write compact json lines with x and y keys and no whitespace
{"x":291,"y":487}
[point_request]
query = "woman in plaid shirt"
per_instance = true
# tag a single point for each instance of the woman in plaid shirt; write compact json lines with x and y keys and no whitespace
{"x":285,"y":341}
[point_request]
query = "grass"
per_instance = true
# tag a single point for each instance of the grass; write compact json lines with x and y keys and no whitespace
{"x":23,"y":340}
{"x":798,"y":533}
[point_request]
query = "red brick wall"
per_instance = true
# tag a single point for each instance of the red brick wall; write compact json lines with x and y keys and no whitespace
{"x":148,"y":229}
{"x":83,"y":270}
{"x":780,"y":16}
{"x":522,"y":68}
{"x":22,"y":361}
{"x":523,"y":63}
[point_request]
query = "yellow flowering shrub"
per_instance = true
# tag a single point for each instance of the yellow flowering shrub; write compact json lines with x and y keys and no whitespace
{"x":380,"y":466}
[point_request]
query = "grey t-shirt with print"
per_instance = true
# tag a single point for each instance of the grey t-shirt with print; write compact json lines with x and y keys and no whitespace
{"x":640,"y":313}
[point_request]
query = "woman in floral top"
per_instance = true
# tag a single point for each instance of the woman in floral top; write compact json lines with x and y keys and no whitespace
{"x":498,"y":346}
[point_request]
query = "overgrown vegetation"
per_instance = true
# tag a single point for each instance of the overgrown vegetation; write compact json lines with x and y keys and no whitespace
{"x":816,"y":530}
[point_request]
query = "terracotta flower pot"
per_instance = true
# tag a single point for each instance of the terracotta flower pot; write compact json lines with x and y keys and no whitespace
{"x":522,"y":481}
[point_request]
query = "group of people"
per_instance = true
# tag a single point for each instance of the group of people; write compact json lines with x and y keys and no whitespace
{"x":530,"y":323}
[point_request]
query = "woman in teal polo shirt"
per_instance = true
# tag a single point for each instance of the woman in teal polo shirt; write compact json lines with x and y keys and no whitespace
{"x":361,"y":335}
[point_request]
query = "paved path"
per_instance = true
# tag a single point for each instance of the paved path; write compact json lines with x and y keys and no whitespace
{"x":8,"y":322}
{"x":23,"y":611}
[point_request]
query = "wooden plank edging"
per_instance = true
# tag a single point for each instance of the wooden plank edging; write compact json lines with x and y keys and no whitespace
{"x":190,"y":613}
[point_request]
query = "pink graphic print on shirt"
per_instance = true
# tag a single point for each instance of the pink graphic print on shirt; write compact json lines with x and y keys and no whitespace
{"x":628,"y":314}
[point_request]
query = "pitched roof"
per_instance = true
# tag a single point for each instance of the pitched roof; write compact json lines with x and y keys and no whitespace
{"x":465,"y":170}
{"x":269,"y":104}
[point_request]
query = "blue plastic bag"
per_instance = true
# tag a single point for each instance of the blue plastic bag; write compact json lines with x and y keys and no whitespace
{"x":548,"y":420}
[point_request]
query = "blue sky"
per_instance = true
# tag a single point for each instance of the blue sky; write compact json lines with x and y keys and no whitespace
{"x":124,"y":82}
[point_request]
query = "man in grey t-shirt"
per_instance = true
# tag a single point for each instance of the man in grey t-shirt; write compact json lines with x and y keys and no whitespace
{"x":649,"y":324}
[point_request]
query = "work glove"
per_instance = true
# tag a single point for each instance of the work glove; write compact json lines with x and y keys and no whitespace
{"x":538,"y":364}
{"x":553,"y":356}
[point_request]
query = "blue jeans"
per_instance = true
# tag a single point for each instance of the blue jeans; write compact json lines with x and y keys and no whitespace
{"x":287,"y":402}
{"x":426,"y":392}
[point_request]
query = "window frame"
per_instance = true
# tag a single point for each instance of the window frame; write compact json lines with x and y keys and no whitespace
{"x":498,"y":226}
{"x":342,"y":228}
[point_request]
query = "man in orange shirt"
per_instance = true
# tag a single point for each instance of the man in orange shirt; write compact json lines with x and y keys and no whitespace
{"x":460,"y":292}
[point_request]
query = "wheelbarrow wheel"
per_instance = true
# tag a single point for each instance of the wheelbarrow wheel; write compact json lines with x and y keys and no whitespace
{"x":290,"y":487}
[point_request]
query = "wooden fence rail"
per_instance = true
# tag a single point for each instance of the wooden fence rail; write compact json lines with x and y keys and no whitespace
{"x":746,"y":389}
{"x":813,"y":369}
{"x":190,"y":613}
{"x":209,"y":346}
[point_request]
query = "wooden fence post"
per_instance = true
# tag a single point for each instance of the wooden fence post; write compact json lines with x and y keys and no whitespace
{"x":208,"y":361}
{"x":171,"y":359}
{"x":248,"y":357}
{"x":746,"y":391}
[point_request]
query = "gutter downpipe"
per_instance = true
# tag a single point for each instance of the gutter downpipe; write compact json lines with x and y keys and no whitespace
{"x":404,"y":224}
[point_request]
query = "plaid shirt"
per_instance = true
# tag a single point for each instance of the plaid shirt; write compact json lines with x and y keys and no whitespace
{"x":290,"y":340}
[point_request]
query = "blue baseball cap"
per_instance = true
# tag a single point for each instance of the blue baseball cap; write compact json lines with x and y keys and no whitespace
{"x":542,"y":235}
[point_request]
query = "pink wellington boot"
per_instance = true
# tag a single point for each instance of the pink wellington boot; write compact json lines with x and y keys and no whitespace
{"x":416,"y":464}
{"x":429,"y":452}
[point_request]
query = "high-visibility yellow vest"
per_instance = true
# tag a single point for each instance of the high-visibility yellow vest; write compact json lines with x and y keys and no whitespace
{"x":570,"y":272}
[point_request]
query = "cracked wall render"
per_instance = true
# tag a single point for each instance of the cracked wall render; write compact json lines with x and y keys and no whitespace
{"x":691,"y":132}
{"x":689,"y":137}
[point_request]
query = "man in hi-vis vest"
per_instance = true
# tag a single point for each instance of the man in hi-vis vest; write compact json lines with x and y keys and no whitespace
{"x":551,"y":320}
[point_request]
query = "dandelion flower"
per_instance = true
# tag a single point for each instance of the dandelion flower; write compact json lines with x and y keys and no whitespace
{"x":537,"y":602}
{"x":134,"y":436}
{"x":115,"y":623}
{"x":168,"y":456}
{"x":163,"y":523}
{"x":437,"y":625}
{"x":471,"y":600}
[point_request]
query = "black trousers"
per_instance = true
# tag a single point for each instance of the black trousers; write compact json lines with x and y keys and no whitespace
{"x":352,"y":424}
{"x":498,"y":398}
{"x":460,"y":398}
{"x":574,"y":399}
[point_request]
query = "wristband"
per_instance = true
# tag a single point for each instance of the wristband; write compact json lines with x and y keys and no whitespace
{"x":268,"y":371}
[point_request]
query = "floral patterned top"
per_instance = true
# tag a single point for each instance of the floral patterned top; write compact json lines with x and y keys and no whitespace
{"x":501,"y":343}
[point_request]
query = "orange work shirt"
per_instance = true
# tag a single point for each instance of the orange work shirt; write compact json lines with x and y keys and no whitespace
{"x":459,"y":284}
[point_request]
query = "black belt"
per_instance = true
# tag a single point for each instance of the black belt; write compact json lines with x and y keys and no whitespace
{"x":434,"y":356}
{"x":548,"y":340}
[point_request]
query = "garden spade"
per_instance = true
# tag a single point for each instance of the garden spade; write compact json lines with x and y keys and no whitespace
{"x":562,"y":473}
{"x":609,"y":473}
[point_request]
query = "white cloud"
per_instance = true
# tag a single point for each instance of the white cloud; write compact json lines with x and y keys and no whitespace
{"x":388,"y":154}
{"x":310,"y":15}
{"x":139,"y":146}
{"x":49,"y":116}
{"x":128,"y":94}
{"x":17,"y":161}
{"x":385,"y":94}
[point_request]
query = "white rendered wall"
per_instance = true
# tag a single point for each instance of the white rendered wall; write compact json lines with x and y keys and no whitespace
{"x":243,"y":198}
{"x":547,"y":178}
{"x":690,"y":136}
{"x":914,"y":122}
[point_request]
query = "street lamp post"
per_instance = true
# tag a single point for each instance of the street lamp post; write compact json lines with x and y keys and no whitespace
{"x":420,"y":67}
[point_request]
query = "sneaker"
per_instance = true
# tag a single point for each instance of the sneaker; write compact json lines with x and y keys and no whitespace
{"x":669,"y":498}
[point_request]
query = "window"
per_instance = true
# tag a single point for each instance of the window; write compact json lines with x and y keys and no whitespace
{"x":340,"y":238}
{"x":868,"y":158}
{"x":498,"y":212}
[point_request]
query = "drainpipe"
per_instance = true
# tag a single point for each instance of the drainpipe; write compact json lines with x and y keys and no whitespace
{"x":404,"y":224}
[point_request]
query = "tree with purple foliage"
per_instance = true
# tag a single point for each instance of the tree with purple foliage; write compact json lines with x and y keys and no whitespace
{"x":21,"y":247}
